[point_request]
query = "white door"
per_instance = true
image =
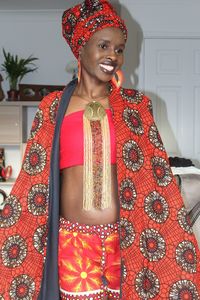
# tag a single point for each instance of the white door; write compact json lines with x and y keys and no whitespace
{"x":172,"y":80}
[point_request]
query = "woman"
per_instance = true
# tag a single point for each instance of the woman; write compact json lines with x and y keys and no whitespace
{"x":96,"y":156}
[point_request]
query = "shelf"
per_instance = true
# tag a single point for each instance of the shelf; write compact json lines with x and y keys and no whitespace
{"x":19,"y":103}
{"x":16,"y":119}
{"x":8,"y":182}
{"x":7,"y":144}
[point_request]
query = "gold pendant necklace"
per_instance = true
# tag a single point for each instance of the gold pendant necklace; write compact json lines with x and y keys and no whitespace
{"x":94,"y":111}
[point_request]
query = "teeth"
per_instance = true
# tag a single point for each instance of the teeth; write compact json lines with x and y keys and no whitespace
{"x":107,"y":67}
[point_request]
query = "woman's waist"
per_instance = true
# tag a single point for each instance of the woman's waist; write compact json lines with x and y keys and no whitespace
{"x":75,"y":213}
{"x":71,"y":200}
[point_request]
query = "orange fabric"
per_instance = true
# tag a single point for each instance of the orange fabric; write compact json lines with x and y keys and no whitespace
{"x":23,"y":221}
{"x":80,"y":22}
{"x":161,"y":258}
{"x":89,"y":259}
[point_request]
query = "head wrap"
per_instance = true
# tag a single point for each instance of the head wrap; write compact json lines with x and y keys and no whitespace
{"x":80,"y":22}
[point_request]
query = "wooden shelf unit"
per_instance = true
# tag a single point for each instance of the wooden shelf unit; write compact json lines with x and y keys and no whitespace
{"x":15,"y":122}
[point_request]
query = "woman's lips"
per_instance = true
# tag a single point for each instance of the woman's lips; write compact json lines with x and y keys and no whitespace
{"x":109,"y":69}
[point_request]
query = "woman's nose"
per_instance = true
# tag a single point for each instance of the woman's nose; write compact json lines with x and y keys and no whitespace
{"x":112,"y":55}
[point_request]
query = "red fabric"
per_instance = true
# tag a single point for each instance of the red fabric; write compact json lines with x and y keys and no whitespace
{"x":161,"y":259}
{"x":72,"y":134}
{"x":86,"y":254}
{"x":160,"y":254}
{"x":80,"y":22}
{"x":24,"y":217}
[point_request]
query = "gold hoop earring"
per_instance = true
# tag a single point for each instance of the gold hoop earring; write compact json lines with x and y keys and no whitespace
{"x":118,"y":79}
{"x":79,"y":70}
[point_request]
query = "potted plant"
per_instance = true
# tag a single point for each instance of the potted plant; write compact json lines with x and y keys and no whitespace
{"x":16,"y":68}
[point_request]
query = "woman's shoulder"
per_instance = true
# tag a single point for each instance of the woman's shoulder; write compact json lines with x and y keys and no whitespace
{"x":51,"y":98}
{"x":133,"y":96}
{"x":48,"y":106}
{"x":55,"y":97}
{"x":135,"y":99}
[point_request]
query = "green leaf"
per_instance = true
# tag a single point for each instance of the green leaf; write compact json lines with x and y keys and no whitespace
{"x":16,"y":68}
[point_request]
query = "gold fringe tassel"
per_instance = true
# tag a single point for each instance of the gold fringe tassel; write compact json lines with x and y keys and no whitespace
{"x":106,"y":184}
{"x":88,"y":166}
{"x":88,"y":180}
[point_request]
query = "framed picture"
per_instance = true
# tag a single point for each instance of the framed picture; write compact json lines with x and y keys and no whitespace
{"x":35,"y":92}
{"x":2,"y":157}
{"x":3,"y":197}
{"x":2,"y":163}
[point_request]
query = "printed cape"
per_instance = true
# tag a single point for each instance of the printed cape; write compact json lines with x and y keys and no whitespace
{"x":159,"y":252}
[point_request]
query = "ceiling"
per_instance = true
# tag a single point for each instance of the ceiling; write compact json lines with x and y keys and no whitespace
{"x":36,"y":4}
{"x":45,"y":4}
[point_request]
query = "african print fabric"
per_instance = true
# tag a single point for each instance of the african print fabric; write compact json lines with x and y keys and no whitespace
{"x":159,"y":252}
{"x":89,"y":261}
{"x":80,"y":22}
{"x":23,"y":220}
{"x":160,"y":255}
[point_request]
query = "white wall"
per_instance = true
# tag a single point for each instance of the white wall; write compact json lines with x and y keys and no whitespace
{"x":37,"y":33}
{"x":169,"y":16}
{"x":156,"y":19}
{"x":37,"y":4}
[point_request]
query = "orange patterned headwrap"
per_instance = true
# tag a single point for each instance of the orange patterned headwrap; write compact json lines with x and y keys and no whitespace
{"x":80,"y":22}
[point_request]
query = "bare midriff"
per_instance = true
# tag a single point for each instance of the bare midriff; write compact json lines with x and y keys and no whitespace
{"x":71,"y":206}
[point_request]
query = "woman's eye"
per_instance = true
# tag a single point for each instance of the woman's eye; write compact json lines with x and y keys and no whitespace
{"x":119,"y":51}
{"x":103,"y":46}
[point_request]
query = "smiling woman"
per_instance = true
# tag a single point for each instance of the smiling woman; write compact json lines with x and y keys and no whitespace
{"x":96,"y":169}
{"x":104,"y":51}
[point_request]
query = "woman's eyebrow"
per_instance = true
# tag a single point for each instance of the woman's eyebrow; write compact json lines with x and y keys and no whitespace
{"x":104,"y":40}
{"x":108,"y":41}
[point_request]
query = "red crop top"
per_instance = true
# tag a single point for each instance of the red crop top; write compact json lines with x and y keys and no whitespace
{"x":71,"y":139}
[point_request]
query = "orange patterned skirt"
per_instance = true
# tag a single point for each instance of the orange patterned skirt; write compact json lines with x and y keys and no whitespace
{"x":89,"y":261}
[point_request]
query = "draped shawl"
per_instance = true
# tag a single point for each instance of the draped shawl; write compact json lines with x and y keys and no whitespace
{"x":160,"y":256}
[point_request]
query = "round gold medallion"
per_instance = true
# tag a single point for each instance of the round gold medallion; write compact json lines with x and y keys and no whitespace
{"x":94,"y":111}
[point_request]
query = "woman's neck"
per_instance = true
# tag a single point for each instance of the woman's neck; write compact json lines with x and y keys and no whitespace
{"x":91,"y":90}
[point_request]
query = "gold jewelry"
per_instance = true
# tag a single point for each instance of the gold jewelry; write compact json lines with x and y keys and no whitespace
{"x":94,"y":111}
{"x":79,"y":70}
{"x":97,"y":165}
{"x":118,"y":79}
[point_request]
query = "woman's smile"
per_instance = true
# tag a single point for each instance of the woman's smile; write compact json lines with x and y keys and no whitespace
{"x":108,"y":68}
{"x":103,"y":54}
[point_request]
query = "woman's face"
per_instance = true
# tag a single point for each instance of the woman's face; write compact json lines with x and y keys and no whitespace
{"x":103,"y":54}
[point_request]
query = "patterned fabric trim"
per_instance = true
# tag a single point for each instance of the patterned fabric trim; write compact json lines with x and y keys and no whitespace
{"x":95,"y":295}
